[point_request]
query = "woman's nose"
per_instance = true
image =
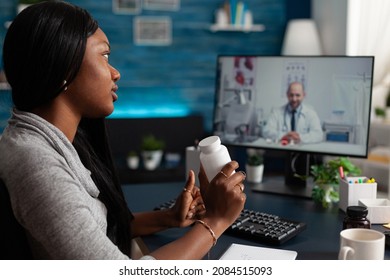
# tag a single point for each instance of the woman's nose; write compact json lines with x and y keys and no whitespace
{"x":115,"y":74}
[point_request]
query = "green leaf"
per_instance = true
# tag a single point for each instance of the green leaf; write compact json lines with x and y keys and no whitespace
{"x":326,"y":176}
{"x":151,"y":143}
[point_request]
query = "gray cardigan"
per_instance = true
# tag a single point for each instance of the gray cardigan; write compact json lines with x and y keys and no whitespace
{"x":52,"y":194}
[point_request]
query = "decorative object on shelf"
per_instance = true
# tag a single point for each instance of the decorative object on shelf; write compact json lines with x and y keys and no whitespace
{"x":3,"y":78}
{"x":152,"y":151}
{"x":7,"y":24}
{"x":253,"y":28}
{"x":126,"y":6}
{"x":3,"y":81}
{"x":30,"y":2}
{"x":25,"y":3}
{"x":254,"y":166}
{"x":132,"y":160}
{"x":327,"y":177}
{"x":152,"y":30}
{"x":163,"y":5}
{"x":235,"y":16}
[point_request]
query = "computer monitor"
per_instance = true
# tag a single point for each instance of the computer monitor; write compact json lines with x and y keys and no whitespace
{"x":326,"y":100}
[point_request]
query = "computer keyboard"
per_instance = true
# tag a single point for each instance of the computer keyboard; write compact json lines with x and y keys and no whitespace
{"x":259,"y":226}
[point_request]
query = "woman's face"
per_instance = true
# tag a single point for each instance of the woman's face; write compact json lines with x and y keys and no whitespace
{"x":93,"y":91}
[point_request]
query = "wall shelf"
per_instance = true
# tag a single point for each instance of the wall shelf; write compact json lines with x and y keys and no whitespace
{"x":235,"y":28}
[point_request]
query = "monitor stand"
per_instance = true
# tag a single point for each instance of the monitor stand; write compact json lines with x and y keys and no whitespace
{"x":289,"y":183}
{"x":277,"y":185}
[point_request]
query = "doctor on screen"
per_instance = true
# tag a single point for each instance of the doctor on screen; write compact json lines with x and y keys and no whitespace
{"x":294,"y":122}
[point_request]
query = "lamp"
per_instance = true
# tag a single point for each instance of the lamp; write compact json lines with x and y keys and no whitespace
{"x":301,"y":38}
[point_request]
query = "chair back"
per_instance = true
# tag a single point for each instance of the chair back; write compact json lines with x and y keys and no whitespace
{"x":13,"y":240}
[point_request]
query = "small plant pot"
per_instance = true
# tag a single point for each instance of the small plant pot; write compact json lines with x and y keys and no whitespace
{"x":152,"y":159}
{"x":254,"y":173}
{"x":133,"y":162}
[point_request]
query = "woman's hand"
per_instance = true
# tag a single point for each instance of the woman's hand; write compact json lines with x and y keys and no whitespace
{"x":189,"y":204}
{"x":224,"y":196}
{"x":224,"y":200}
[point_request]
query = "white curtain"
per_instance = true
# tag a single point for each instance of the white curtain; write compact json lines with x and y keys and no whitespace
{"x":368,"y":33}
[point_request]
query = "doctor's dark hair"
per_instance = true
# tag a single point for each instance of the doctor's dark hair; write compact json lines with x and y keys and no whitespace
{"x":45,"y":45}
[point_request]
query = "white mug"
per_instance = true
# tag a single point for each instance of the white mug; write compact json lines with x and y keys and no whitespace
{"x":361,"y":244}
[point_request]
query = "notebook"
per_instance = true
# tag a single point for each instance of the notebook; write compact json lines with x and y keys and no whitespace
{"x":247,"y":252}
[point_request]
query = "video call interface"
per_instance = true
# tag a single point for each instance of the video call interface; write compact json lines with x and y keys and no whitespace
{"x":314,"y":104}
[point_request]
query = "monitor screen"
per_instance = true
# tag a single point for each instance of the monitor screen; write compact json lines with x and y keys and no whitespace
{"x":308,"y":104}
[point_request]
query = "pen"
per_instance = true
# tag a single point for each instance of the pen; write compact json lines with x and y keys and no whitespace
{"x":341,"y":172}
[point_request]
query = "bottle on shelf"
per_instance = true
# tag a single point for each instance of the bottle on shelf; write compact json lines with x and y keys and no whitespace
{"x":234,"y":16}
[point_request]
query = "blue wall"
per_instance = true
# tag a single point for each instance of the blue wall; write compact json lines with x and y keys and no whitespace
{"x":178,"y":79}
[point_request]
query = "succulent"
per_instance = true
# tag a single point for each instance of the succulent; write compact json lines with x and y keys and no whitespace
{"x":151,"y":143}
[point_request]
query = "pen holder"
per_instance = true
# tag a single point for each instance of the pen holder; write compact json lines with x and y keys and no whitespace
{"x":354,"y":188}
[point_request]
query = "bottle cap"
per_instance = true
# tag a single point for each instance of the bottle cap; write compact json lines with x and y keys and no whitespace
{"x":209,"y":144}
{"x":357,"y":211}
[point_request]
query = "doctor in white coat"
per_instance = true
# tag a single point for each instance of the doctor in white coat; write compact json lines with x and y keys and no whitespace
{"x":294,"y":122}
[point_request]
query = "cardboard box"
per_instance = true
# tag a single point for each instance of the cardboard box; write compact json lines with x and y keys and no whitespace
{"x":378,"y":210}
{"x":352,"y":189}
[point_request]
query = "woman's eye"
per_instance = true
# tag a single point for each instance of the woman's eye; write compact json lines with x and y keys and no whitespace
{"x":106,"y":55}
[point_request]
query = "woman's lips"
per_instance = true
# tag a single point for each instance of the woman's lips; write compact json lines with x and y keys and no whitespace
{"x":114,"y":95}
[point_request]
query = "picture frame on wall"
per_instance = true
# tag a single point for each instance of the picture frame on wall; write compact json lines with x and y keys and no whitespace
{"x":152,"y":30}
{"x":165,"y":5}
{"x":126,"y":6}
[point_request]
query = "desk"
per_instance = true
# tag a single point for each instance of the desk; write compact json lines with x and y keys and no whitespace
{"x":319,"y":241}
{"x":329,"y":147}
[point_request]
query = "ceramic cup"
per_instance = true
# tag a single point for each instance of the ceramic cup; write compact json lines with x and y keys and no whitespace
{"x":361,"y":244}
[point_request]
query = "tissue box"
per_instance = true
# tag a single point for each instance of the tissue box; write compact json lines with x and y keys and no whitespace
{"x":352,"y":189}
{"x":378,"y":210}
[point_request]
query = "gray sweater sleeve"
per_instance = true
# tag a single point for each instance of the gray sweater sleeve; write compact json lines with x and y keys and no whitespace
{"x":63,"y":220}
{"x":53,"y":196}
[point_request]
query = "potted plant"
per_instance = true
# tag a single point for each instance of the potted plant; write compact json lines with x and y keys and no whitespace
{"x":254,"y":166}
{"x":326,"y":179}
{"x":380,"y":113}
{"x":132,"y":160}
{"x":152,"y":151}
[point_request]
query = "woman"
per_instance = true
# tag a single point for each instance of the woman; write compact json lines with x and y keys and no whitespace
{"x":55,"y":159}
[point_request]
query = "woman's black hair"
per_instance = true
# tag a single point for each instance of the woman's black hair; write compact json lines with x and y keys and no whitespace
{"x":92,"y":146}
{"x":44,"y":47}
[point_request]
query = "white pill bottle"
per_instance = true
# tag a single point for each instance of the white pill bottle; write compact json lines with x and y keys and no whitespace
{"x":213,"y":156}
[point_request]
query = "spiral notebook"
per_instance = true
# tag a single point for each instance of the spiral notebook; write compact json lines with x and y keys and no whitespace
{"x":247,"y":252}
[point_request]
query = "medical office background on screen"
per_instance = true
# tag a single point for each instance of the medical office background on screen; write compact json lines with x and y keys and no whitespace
{"x":338,"y":88}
